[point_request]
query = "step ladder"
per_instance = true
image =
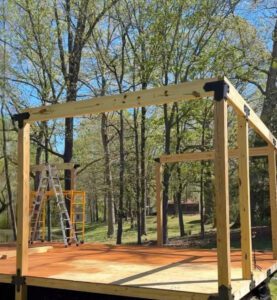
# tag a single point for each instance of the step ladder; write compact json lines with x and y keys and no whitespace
{"x":49,"y":179}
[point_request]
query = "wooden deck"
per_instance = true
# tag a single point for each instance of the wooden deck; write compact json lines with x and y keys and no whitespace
{"x":133,"y":271}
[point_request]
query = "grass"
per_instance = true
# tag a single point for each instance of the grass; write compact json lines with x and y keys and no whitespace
{"x":98,"y":231}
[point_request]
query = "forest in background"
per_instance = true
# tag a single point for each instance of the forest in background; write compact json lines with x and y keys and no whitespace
{"x":57,"y":51}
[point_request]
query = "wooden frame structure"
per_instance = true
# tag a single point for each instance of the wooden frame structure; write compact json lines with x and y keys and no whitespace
{"x":224,"y":94}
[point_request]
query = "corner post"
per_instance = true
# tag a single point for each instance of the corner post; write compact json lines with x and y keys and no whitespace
{"x":244,"y":197}
{"x":22,"y":207}
{"x":159,"y":202}
{"x":221,"y":89}
{"x":273,"y":198}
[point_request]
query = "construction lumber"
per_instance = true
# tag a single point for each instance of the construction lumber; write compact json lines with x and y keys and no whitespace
{"x":209,"y":155}
{"x":155,"y":96}
{"x":242,"y":108}
{"x":22,"y":207}
{"x":222,"y":196}
{"x":244,"y":198}
{"x":273,"y":198}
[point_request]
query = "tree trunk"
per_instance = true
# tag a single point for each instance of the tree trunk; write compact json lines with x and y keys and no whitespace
{"x":179,"y":176}
{"x":4,"y":147}
{"x":96,"y":208}
{"x":202,"y":212}
{"x":7,"y":173}
{"x":166,"y":175}
{"x":143,"y":172}
{"x":136,"y":141}
{"x":108,"y":176}
{"x":179,"y":202}
{"x":269,"y":111}
{"x":121,"y":180}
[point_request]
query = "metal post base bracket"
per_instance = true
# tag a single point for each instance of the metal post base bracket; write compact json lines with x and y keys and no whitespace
{"x":18,"y":280}
{"x":224,"y":293}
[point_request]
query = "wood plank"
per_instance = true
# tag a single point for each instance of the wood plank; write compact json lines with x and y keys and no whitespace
{"x":4,"y":278}
{"x":273,"y":198}
{"x":149,"y":270}
{"x":159,"y":203}
{"x":155,"y":96}
{"x":239,"y":104}
{"x":59,"y":166}
{"x":244,"y":197}
{"x":209,"y":155}
{"x":118,"y":290}
{"x":23,"y":205}
{"x":222,"y":194}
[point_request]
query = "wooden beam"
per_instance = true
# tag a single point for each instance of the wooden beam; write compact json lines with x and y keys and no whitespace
{"x":209,"y":155}
{"x":222,"y":196}
{"x":59,"y":166}
{"x":242,"y":107}
{"x":244,"y":196}
{"x":187,"y":156}
{"x":159,"y":203}
{"x":23,"y":206}
{"x":273,"y":198}
{"x":156,"y":96}
{"x":128,"y":291}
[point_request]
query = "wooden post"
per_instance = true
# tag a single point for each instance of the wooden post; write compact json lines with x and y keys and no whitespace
{"x":273,"y":198}
{"x":159,"y":203}
{"x":222,"y":197}
{"x":22,"y":207}
{"x":244,"y":197}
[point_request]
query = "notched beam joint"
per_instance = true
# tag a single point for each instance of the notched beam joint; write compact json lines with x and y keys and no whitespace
{"x":18,"y":280}
{"x":220,"y":88}
{"x":20,"y":118}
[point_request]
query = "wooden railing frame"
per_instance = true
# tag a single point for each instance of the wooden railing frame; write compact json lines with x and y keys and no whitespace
{"x":224,"y":93}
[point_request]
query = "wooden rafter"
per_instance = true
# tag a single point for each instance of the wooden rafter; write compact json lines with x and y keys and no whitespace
{"x":242,"y":108}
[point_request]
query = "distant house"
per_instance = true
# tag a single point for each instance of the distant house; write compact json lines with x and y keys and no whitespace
{"x":189,"y":207}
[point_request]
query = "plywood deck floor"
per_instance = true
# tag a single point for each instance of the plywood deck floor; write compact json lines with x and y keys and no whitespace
{"x":134,"y":271}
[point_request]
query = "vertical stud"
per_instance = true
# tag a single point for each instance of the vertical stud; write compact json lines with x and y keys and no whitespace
{"x":222,"y":196}
{"x":273,"y":198}
{"x":244,"y":198}
{"x":23,"y":194}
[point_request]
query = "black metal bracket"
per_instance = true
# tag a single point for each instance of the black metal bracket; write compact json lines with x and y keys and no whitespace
{"x":246,"y":110}
{"x":20,"y":118}
{"x":252,"y":283}
{"x":157,"y":160}
{"x":220,"y":88}
{"x":18,"y":280}
{"x":225,"y":292}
